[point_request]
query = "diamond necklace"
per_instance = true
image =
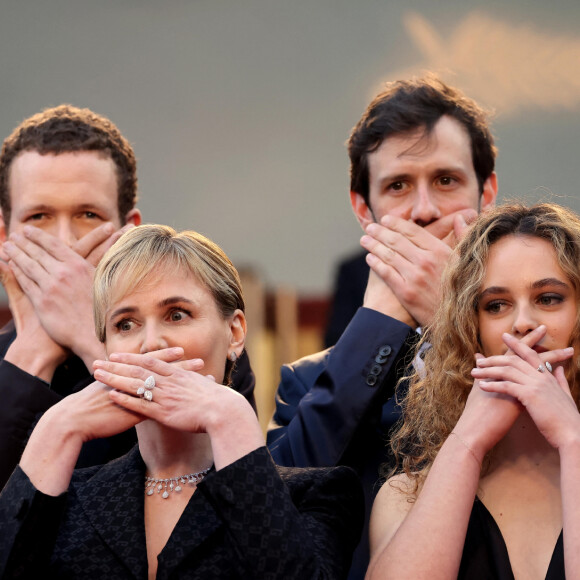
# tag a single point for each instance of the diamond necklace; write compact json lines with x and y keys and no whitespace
{"x":153,"y":484}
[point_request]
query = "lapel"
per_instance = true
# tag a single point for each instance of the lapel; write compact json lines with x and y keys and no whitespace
{"x":198,"y":521}
{"x":113,"y":502}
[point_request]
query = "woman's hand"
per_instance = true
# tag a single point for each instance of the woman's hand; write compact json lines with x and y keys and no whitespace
{"x":184,"y":400}
{"x":546,"y":396}
{"x":489,"y":415}
{"x":486,"y":419}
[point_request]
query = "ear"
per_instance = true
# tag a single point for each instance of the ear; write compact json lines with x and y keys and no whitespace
{"x":238,"y":333}
{"x":489,"y":193}
{"x":133,"y":217}
{"x":361,"y":210}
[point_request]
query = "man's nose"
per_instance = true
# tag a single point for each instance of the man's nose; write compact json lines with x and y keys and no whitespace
{"x":65,"y":232}
{"x":424,"y":210}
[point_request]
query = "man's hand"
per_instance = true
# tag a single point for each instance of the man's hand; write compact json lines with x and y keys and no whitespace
{"x":33,"y":351}
{"x":95,"y":244}
{"x":58,"y":281}
{"x":409,"y":261}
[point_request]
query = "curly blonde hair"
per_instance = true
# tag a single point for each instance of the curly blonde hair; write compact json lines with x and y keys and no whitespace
{"x":437,"y":396}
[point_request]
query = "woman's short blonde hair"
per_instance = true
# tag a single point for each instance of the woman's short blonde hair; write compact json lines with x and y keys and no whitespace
{"x":153,"y":248}
{"x":437,"y":396}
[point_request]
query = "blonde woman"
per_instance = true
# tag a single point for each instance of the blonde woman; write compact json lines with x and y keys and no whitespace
{"x":199,"y":497}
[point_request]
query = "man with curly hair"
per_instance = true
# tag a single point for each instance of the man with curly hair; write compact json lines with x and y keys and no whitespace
{"x":422,"y":167}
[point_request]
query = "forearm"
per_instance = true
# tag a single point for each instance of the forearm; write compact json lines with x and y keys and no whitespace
{"x":323,"y":400}
{"x":429,"y":542}
{"x":33,"y":358}
{"x":569,"y":477}
{"x":234,"y":432}
{"x":51,"y":453}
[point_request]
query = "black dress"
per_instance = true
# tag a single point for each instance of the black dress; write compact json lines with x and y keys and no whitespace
{"x":485,"y":555}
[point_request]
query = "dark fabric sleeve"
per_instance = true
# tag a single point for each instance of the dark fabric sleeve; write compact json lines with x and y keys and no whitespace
{"x":24,"y":399}
{"x":324,"y":400}
{"x":29,"y":522}
{"x":292,"y":523}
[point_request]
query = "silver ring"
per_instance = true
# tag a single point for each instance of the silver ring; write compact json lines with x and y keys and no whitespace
{"x":149,"y":382}
{"x":548,"y":366}
{"x":541,"y":368}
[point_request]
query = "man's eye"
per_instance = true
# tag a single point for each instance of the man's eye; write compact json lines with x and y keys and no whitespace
{"x":446,"y":180}
{"x":36,"y":217}
{"x":397,"y":187}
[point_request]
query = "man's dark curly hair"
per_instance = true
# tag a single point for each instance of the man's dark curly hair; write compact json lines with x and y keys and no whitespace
{"x":410,"y":105}
{"x":66,"y":129}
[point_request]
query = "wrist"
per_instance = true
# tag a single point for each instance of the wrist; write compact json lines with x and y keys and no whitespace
{"x":395,"y":311}
{"x":234,"y":432}
{"x":51,"y":453}
{"x":571,"y":448}
{"x":89,"y":352}
{"x":35,"y":360}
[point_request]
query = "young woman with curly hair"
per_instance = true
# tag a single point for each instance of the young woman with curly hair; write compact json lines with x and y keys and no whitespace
{"x":489,"y":449}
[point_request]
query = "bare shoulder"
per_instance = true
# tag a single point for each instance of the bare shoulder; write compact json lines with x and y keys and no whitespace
{"x":390,"y":508}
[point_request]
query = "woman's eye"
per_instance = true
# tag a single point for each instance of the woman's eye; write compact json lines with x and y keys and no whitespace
{"x":549,"y":299}
{"x":124,"y":325}
{"x":177,"y":315}
{"x":494,"y":307}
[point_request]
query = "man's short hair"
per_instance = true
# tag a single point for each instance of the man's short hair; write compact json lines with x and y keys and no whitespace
{"x":67,"y":129}
{"x":415,"y":104}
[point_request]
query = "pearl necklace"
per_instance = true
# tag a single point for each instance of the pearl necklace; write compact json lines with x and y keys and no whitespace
{"x":153,"y":484}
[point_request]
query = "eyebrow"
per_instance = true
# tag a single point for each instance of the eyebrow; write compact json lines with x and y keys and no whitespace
{"x":391,"y":178}
{"x":43,"y":207}
{"x":163,"y":303}
{"x":534,"y":286}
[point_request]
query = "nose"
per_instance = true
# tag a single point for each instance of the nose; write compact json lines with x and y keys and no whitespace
{"x":152,"y":339}
{"x":65,"y":232}
{"x":424,"y":210}
{"x":524,"y":322}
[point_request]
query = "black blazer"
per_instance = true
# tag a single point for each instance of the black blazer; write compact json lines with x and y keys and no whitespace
{"x":248,"y":520}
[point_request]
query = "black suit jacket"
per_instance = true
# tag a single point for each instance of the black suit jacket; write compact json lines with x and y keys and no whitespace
{"x":248,"y":520}
{"x":24,"y":398}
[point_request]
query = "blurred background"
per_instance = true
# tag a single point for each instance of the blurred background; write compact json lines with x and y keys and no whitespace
{"x":239,"y":111}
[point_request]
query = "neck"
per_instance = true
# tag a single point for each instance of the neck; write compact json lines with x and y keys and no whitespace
{"x":168,"y":453}
{"x":524,"y":445}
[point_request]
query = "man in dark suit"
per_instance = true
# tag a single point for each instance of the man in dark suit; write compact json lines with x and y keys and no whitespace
{"x":68,"y":189}
{"x":422,"y":166}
